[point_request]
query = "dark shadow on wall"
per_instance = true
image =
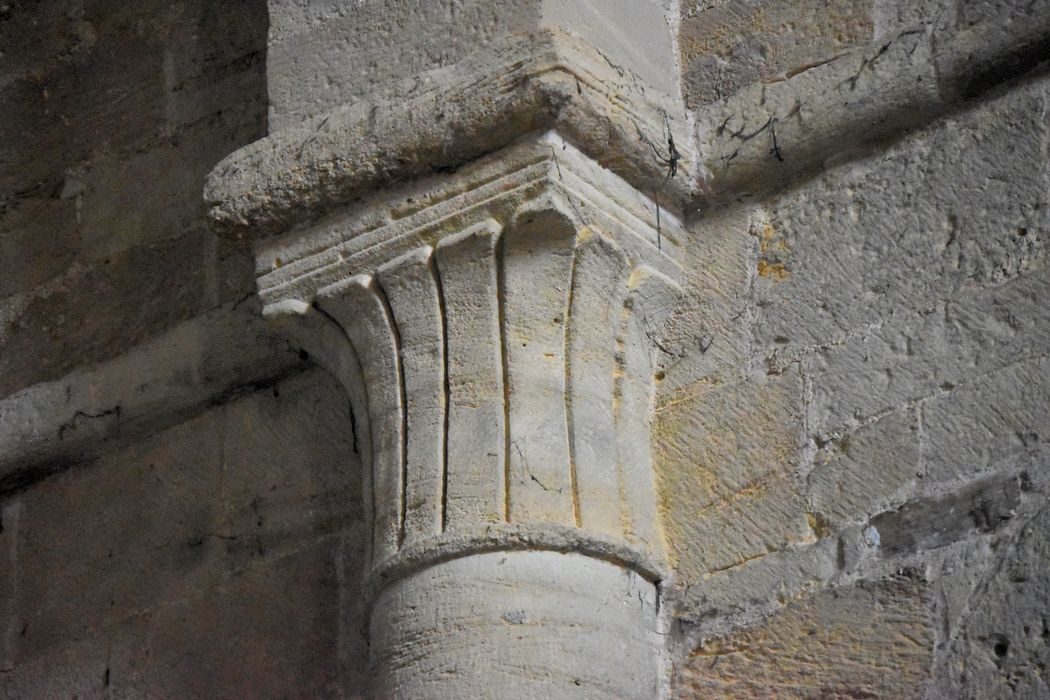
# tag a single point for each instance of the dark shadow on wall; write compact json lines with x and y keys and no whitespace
{"x":221,"y":557}
{"x":111,"y":114}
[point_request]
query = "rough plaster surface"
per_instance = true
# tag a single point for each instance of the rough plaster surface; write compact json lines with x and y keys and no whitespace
{"x":851,"y":394}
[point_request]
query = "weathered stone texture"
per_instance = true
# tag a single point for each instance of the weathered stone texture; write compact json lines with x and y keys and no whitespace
{"x":996,"y":615}
{"x":982,"y":423}
{"x":970,"y":12}
{"x":912,"y":355}
{"x":112,"y":113}
{"x":726,"y":460}
{"x":724,"y":600}
{"x":708,"y":335}
{"x":866,"y":471}
{"x":872,"y":640}
{"x":211,"y":556}
{"x":928,"y":523}
{"x":898,"y":232}
{"x":902,"y":297}
{"x":76,"y":318}
{"x":220,"y":643}
{"x":312,"y":43}
{"x":852,"y":395}
{"x":729,"y":44}
{"x":393,"y":53}
{"x":426,"y":630}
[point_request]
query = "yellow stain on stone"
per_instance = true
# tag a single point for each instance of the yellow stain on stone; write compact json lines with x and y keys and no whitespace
{"x":819,"y":525}
{"x":774,"y":271}
{"x":766,"y":239}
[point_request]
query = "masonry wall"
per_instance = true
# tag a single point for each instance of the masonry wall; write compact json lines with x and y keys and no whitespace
{"x":219,"y":557}
{"x":853,"y":423}
{"x":112,"y":114}
{"x":207,"y":551}
{"x":851,"y":420}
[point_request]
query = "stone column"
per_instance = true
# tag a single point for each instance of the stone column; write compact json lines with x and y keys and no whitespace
{"x":486,"y":266}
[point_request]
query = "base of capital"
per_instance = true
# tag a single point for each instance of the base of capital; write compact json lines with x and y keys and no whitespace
{"x":644,"y":559}
{"x":516,"y":624}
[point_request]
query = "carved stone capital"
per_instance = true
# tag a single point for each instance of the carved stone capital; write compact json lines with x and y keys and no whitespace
{"x":495,"y":332}
{"x":484,"y":254}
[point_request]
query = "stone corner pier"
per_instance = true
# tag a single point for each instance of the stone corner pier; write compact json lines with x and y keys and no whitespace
{"x":484,"y":254}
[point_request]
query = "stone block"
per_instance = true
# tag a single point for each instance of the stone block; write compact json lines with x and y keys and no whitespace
{"x":725,"y":459}
{"x":901,"y":230}
{"x":120,"y":535}
{"x":59,"y":35}
{"x":891,"y":17}
{"x":764,"y":519}
{"x":871,"y":640}
{"x":108,"y":135}
{"x":159,"y":383}
{"x":707,"y":337}
{"x":758,"y":587}
{"x":311,"y":46}
{"x":27,"y":256}
{"x":971,"y":12}
{"x":164,"y":183}
{"x":75,"y":669}
{"x":927,"y":523}
{"x":94,"y":312}
{"x":10,"y":629}
{"x":115,"y":91}
{"x":286,"y":626}
{"x":216,"y":72}
{"x":722,"y":439}
{"x":246,"y":515}
{"x":914,"y":355}
{"x":979,"y":424}
{"x":990,"y":50}
{"x":730,"y":44}
{"x":866,"y":471}
{"x":272,"y":630}
{"x":633,"y":34}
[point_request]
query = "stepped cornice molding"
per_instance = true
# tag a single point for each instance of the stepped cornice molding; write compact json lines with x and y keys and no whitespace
{"x":539,"y":82}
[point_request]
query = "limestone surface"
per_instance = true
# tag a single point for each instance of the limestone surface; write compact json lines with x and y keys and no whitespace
{"x":559,"y":348}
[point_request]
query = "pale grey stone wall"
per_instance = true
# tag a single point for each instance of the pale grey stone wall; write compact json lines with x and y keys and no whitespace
{"x":207,"y":552}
